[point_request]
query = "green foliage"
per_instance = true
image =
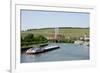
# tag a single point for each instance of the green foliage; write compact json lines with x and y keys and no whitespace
{"x":30,"y":39}
{"x":21,"y":39}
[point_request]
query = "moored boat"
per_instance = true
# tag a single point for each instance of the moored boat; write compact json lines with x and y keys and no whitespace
{"x":41,"y":50}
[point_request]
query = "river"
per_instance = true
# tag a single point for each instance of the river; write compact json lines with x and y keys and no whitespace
{"x":66,"y":52}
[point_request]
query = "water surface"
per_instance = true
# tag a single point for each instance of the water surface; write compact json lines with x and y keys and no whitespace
{"x":66,"y":52}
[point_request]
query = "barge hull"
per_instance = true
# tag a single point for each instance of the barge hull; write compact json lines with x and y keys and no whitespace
{"x":46,"y":50}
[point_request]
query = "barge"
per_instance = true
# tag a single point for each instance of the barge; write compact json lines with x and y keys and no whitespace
{"x":41,"y":50}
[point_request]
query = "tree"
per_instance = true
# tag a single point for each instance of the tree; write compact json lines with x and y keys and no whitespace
{"x":22,"y":39}
{"x":29,"y":38}
{"x":40,"y":39}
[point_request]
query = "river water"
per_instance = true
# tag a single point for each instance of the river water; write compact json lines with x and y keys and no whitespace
{"x":66,"y":52}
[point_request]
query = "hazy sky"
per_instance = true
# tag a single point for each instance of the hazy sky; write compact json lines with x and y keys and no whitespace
{"x":31,"y":19}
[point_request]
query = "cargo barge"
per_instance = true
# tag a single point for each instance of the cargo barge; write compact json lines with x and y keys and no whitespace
{"x":41,"y":50}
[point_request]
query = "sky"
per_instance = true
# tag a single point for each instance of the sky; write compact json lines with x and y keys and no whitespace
{"x":32,"y":19}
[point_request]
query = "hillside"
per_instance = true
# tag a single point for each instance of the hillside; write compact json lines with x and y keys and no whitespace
{"x":66,"y":31}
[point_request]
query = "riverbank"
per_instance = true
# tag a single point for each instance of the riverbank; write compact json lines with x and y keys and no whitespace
{"x":33,"y":45}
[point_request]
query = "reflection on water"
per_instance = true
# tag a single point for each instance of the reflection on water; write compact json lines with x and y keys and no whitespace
{"x":64,"y":53}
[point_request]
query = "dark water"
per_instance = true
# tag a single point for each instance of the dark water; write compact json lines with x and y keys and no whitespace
{"x":66,"y":52}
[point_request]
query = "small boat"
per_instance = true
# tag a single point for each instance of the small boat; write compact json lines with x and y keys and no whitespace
{"x":41,"y":50}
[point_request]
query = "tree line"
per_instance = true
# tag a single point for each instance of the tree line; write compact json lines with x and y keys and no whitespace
{"x":31,"y":39}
